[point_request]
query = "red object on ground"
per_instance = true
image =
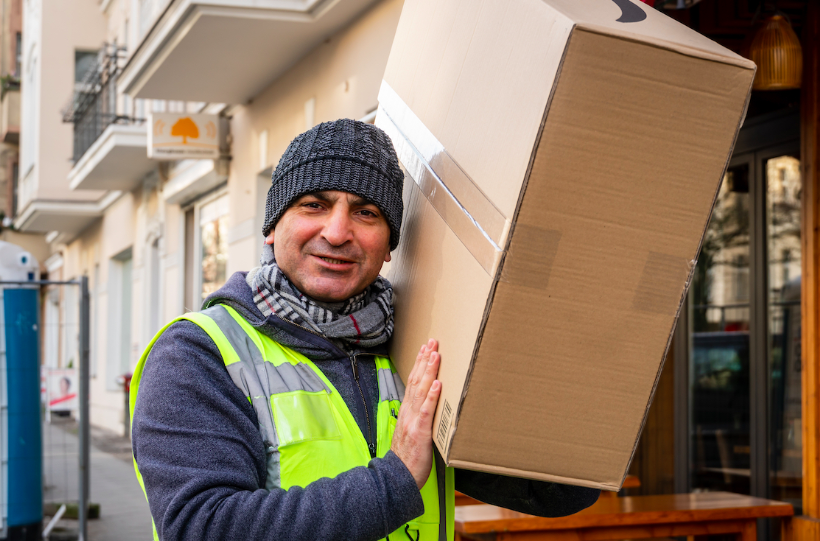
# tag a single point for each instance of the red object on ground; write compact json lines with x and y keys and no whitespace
{"x":649,"y":2}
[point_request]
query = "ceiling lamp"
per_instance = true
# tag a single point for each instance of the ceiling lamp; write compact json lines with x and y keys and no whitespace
{"x":776,"y":51}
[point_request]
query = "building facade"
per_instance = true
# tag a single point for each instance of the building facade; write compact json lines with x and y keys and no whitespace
{"x":736,"y":406}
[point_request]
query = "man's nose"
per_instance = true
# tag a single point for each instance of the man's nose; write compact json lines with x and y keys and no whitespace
{"x":338,"y":227}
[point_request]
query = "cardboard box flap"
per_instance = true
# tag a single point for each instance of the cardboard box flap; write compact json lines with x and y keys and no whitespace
{"x":632,"y":19}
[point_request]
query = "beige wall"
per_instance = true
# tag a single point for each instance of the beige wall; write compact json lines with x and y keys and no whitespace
{"x":12,"y":23}
{"x":66,"y":26}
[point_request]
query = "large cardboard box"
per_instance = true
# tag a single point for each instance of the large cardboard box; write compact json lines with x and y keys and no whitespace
{"x":562,"y":159}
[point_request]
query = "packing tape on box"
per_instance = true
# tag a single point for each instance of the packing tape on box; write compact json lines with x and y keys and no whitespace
{"x":477,"y":223}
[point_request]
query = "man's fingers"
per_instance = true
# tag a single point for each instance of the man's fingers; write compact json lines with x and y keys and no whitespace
{"x":428,"y":407}
{"x":412,"y":440}
{"x":427,"y":378}
{"x":419,"y":367}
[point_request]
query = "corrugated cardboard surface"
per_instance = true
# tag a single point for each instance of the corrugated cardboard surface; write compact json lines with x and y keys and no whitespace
{"x":605,"y":154}
{"x":608,"y":230}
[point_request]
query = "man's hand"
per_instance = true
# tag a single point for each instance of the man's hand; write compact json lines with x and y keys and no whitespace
{"x":413,"y":438}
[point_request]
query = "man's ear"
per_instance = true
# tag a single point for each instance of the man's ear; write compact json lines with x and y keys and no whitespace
{"x":269,"y":238}
{"x":386,"y":258}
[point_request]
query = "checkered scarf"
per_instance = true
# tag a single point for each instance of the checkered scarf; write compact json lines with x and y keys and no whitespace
{"x":362,"y":321}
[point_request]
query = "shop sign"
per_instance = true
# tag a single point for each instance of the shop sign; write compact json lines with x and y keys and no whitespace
{"x":181,"y":136}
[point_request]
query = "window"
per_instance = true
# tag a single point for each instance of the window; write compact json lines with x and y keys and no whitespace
{"x":739,"y":398}
{"x":206,"y":249}
{"x":120,"y":304}
{"x":28,"y":117}
{"x":189,"y":295}
{"x":15,"y":189}
{"x":70,"y":330}
{"x":83,"y":62}
{"x":154,"y":308}
{"x":18,"y":55}
{"x":94,"y":335}
{"x":213,"y":235}
{"x":263,"y":150}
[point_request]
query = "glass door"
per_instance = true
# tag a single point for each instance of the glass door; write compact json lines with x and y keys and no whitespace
{"x":719,"y":366}
{"x":783,"y":219}
{"x":738,"y":403}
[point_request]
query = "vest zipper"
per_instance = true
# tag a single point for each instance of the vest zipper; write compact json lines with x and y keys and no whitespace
{"x":371,"y":447}
{"x":354,"y":365}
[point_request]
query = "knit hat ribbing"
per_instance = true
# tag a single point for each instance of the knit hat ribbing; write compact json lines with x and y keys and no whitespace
{"x":344,"y":155}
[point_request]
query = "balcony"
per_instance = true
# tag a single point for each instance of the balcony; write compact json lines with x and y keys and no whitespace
{"x":68,"y":217}
{"x":10,"y":110}
{"x":227,"y":51}
{"x":109,"y":146}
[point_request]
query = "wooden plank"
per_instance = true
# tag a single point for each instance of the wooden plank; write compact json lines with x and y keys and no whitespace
{"x":745,"y":528}
{"x":801,"y":528}
{"x":633,"y":510}
{"x":810,"y":158}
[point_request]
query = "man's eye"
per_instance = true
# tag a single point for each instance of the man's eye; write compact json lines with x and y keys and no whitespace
{"x":368,"y":213}
{"x":312,"y":204}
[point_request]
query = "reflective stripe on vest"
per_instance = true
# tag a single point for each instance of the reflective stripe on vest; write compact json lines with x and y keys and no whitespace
{"x":308,"y":431}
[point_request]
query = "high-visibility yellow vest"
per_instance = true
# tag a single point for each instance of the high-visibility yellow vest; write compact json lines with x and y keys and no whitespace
{"x":307,"y":428}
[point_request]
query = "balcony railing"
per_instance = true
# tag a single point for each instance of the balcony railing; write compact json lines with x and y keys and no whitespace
{"x":95,"y":104}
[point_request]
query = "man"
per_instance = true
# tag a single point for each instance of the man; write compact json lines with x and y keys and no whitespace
{"x":274,"y":413}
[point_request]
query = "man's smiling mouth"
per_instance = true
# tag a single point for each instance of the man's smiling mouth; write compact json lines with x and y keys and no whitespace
{"x":333,"y":261}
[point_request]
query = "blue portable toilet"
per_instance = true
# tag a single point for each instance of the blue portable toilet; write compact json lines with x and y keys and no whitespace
{"x":21,"y":445}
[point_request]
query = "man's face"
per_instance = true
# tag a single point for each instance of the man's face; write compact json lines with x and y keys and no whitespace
{"x":331,"y":244}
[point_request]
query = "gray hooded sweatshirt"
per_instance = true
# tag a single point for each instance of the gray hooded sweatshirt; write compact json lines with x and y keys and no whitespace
{"x":197,"y":442}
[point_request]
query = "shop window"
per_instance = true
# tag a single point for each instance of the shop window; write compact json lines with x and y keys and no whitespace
{"x":120,"y":306}
{"x":213,"y":240}
{"x":738,"y":417}
{"x":206,"y":249}
{"x":154,"y":307}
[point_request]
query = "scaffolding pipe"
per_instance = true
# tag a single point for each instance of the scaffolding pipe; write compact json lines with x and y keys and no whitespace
{"x":85,"y":478}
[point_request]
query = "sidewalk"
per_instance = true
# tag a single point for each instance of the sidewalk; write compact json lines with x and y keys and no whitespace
{"x":124,"y":514}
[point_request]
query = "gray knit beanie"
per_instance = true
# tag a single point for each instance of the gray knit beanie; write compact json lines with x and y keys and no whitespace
{"x":345,"y":155}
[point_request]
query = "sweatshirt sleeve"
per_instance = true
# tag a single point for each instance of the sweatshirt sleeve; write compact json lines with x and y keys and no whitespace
{"x":531,"y":497}
{"x":201,"y":456}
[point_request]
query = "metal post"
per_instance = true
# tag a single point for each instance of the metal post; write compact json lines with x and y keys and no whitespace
{"x":85,"y":477}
